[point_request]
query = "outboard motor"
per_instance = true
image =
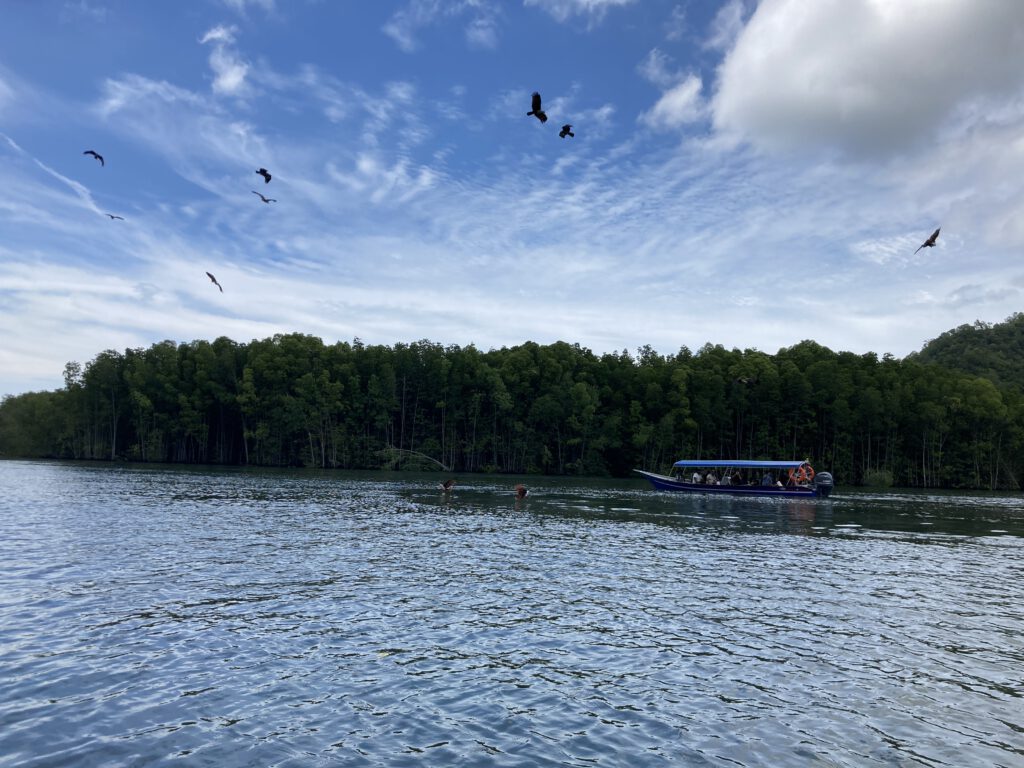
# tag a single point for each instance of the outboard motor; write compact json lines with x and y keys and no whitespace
{"x":823,"y":483}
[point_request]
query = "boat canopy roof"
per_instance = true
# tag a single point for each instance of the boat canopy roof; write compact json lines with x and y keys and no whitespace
{"x":738,"y":463}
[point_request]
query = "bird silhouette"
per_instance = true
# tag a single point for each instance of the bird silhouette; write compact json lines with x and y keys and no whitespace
{"x":566,"y":131}
{"x":265,"y":174}
{"x":264,"y":199}
{"x":930,"y":242}
{"x":447,"y":485}
{"x":95,"y":154}
{"x":112,"y":216}
{"x":521,"y":491}
{"x":537,"y":111}
{"x":214,"y":281}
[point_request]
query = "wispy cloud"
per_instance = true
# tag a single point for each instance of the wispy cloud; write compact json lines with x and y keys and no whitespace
{"x":562,"y":10}
{"x":676,"y":24}
{"x":481,"y":30}
{"x":241,"y":5}
{"x":681,"y":102}
{"x":72,"y":12}
{"x":726,"y":25}
{"x":228,"y":67}
{"x":6,"y":94}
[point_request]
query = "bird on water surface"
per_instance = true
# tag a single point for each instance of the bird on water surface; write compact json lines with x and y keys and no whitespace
{"x":536,"y":110}
{"x":521,"y":491}
{"x":930,"y":242}
{"x":95,"y":154}
{"x":447,"y":485}
{"x":214,"y":281}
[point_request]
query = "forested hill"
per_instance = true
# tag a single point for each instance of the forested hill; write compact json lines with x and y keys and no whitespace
{"x":993,"y":351}
{"x":291,"y":400}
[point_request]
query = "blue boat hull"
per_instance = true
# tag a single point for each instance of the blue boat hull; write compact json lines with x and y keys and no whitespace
{"x":665,"y":483}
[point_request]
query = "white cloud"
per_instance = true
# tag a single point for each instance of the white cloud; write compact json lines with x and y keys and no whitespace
{"x":241,"y":5}
{"x":681,"y":102}
{"x":481,"y":31}
{"x":866,"y":77}
{"x":967,"y":295}
{"x":726,"y":26}
{"x":675,"y":26}
{"x":6,"y":94}
{"x":655,"y":68}
{"x":678,"y":106}
{"x":562,"y":10}
{"x":228,"y":67}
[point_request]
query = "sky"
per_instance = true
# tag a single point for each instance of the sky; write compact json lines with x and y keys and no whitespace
{"x":743,"y":173}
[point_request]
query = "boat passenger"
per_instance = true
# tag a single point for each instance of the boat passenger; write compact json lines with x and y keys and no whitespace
{"x":711,"y":479}
{"x":726,"y":480}
{"x":737,"y":479}
{"x":767,"y":479}
{"x":696,"y":478}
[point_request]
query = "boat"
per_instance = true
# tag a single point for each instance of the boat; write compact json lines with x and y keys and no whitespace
{"x":791,"y":479}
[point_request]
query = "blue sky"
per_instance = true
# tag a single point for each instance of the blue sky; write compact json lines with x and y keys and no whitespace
{"x":743,"y":173}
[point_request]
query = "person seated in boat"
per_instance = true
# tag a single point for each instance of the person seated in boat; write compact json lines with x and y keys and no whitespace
{"x":710,"y":479}
{"x":696,"y":478}
{"x":726,"y":479}
{"x":737,"y":478}
{"x":768,"y":479}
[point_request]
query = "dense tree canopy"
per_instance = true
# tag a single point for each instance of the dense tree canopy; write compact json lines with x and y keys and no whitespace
{"x":992,"y":351}
{"x":560,"y":409}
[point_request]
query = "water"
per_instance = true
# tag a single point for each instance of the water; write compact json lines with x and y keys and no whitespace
{"x":156,"y":616}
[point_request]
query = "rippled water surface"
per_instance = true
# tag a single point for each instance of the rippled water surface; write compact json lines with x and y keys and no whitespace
{"x":151,"y":616}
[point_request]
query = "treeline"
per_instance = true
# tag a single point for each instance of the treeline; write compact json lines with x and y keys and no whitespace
{"x":291,"y":400}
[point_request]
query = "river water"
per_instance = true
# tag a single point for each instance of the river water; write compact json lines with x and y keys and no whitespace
{"x":158,"y":616}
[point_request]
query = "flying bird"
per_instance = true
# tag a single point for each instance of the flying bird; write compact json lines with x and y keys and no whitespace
{"x":264,"y":199}
{"x":566,"y":131}
{"x":521,"y":491}
{"x":95,"y":154}
{"x":537,"y":111}
{"x":265,"y":174}
{"x":112,"y":216}
{"x":214,"y":281}
{"x":930,"y":242}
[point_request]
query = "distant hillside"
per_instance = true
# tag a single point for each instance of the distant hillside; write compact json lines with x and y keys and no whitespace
{"x":993,"y":351}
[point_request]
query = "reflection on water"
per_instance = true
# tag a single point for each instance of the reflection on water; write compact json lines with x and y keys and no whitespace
{"x":286,"y":618}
